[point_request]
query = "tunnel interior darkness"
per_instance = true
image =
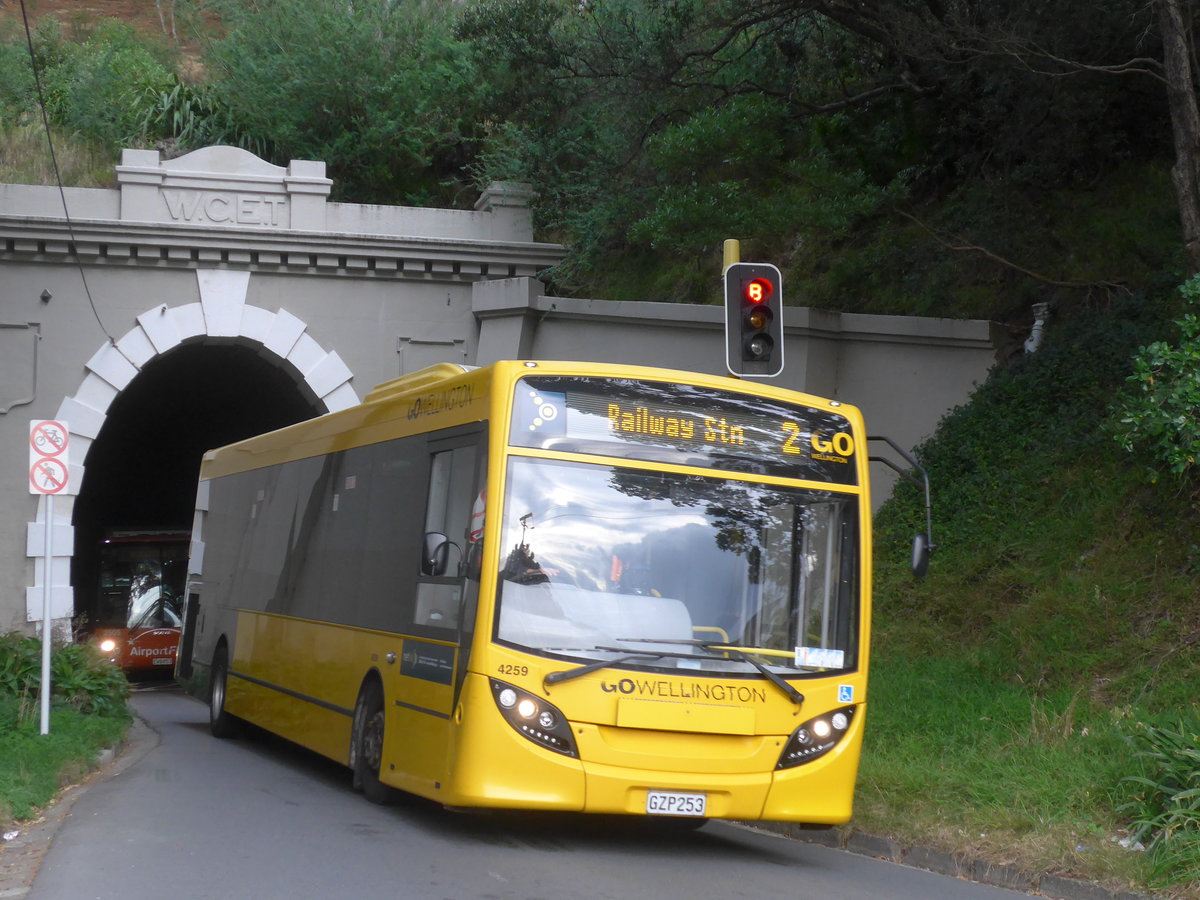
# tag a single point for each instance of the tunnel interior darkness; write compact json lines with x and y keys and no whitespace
{"x":141,"y":470}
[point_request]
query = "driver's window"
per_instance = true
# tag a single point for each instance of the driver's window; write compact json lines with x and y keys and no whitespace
{"x":451,"y":482}
{"x":451,"y":478}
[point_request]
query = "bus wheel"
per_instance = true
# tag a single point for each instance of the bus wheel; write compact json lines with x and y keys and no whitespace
{"x":367,"y":756}
{"x":221,"y":723}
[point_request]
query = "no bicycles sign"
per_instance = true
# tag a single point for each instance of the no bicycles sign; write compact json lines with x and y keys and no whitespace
{"x":49,"y":463}
{"x":49,"y":474}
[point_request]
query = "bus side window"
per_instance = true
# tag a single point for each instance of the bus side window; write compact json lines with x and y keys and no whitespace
{"x":448,"y":512}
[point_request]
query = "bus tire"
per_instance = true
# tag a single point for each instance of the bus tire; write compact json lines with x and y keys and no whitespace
{"x":220,"y":722}
{"x":367,"y":749}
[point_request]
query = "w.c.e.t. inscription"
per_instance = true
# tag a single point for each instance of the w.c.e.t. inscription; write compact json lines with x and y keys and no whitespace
{"x":226,"y":208}
{"x":222,"y":186}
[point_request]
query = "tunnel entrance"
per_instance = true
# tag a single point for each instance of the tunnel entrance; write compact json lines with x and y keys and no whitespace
{"x":142,"y":468}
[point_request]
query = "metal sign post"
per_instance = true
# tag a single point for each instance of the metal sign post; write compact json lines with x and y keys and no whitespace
{"x":49,"y":474}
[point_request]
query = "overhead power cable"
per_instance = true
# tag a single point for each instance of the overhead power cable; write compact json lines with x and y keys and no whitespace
{"x":37,"y":83}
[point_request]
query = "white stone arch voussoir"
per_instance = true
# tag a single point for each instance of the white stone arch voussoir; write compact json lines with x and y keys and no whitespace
{"x":221,"y":315}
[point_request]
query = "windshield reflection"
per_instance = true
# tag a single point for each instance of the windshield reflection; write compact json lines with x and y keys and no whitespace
{"x":602,"y":561}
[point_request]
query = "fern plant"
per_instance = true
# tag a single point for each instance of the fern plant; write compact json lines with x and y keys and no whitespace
{"x":1165,"y":811}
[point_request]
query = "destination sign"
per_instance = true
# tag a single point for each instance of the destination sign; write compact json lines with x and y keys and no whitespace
{"x":685,"y":424}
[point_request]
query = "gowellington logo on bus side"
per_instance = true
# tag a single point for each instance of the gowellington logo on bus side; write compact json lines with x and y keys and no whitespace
{"x":437,"y":402}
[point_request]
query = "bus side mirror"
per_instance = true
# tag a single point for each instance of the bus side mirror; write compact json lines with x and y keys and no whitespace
{"x":920,"y":554}
{"x":435,"y":554}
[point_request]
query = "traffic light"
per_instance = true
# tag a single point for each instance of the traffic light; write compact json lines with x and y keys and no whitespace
{"x":753,"y":320}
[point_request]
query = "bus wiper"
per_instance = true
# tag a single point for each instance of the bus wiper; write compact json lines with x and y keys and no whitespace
{"x":568,"y":674}
{"x":737,"y":655}
{"x":782,"y":683}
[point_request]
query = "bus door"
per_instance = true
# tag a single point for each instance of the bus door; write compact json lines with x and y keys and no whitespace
{"x":432,"y":659}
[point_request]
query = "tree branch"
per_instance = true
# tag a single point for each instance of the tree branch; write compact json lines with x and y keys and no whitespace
{"x":960,"y":247}
{"x":1027,"y":53}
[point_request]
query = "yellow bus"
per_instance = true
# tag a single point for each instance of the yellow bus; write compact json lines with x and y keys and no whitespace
{"x":549,"y":585}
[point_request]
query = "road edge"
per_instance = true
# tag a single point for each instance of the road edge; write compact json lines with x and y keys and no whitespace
{"x":962,"y":866}
{"x":21,"y":857}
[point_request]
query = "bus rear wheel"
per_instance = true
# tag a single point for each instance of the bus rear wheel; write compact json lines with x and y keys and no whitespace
{"x":367,"y":757}
{"x":220,"y":722}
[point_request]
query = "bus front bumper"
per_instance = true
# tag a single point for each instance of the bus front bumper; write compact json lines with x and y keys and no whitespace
{"x":497,"y":767}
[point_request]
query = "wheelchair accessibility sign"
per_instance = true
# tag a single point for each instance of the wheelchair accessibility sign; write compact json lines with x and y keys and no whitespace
{"x":845,"y":693}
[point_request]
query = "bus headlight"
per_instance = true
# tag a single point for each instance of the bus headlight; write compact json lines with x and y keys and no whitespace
{"x":108,"y":645}
{"x":816,"y":737}
{"x":534,"y":718}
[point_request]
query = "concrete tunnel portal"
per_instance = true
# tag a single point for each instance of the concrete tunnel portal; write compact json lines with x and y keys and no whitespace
{"x":141,"y":471}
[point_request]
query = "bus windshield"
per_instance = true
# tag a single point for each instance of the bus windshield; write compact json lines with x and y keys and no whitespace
{"x":600,"y":562}
{"x":141,"y":582}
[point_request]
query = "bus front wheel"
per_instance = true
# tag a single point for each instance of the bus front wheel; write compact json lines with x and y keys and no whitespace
{"x":367,"y":756}
{"x":220,"y":722}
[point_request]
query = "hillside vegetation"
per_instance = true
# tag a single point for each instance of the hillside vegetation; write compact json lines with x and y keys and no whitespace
{"x":1049,"y":660}
{"x":1034,"y":698}
{"x":911,"y":158}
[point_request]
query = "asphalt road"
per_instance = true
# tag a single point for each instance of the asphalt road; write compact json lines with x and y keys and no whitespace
{"x":195,"y":817}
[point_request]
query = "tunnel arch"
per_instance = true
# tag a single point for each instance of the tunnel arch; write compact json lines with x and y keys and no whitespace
{"x":251,"y":355}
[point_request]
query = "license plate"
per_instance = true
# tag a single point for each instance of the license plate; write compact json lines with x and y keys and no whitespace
{"x":673,"y":803}
{"x":162,"y":661}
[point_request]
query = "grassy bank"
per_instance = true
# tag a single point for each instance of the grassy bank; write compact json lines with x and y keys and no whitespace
{"x":33,"y":766}
{"x":87,"y":714}
{"x":966,"y":762}
{"x":1016,"y":690}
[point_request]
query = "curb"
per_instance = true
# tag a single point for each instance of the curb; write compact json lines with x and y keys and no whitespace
{"x":955,"y":865}
{"x":21,"y":857}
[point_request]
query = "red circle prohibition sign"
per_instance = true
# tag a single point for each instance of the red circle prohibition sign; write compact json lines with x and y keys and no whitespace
{"x":48,"y":476}
{"x":48,"y":438}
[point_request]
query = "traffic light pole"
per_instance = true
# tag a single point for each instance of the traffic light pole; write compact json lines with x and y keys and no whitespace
{"x":732,"y":252}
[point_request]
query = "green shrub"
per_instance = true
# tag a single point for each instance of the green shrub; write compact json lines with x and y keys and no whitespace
{"x":80,"y":676}
{"x":20,"y":665}
{"x":92,"y":88}
{"x":16,"y":81}
{"x":18,"y":96}
{"x":191,"y":115}
{"x":380,"y":91}
{"x":1155,"y":418}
